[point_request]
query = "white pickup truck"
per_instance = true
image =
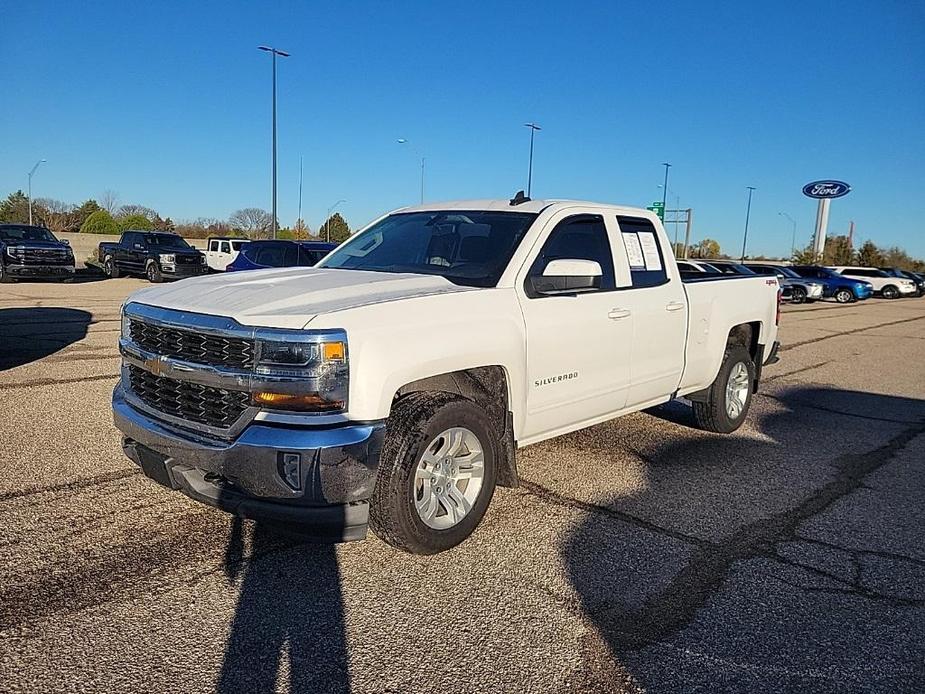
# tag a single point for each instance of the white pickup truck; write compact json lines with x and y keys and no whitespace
{"x":390,"y":386}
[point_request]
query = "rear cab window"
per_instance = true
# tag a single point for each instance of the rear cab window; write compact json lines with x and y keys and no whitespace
{"x":643,"y":252}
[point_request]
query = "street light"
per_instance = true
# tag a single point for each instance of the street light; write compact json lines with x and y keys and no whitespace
{"x":748,"y":210}
{"x":327,"y":220}
{"x":403,"y":141}
{"x":37,"y":164}
{"x":793,"y":235}
{"x":665,"y":188}
{"x":275,"y":52}
{"x":533,"y":128}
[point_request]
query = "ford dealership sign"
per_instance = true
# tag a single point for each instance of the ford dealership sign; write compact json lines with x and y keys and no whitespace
{"x":826,"y":189}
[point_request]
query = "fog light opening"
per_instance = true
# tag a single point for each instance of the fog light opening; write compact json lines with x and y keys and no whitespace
{"x":290,"y":469}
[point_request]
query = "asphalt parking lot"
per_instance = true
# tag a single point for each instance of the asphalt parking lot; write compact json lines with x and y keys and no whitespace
{"x":638,"y":555}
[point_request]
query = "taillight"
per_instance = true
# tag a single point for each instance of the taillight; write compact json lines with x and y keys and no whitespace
{"x":780,"y":293}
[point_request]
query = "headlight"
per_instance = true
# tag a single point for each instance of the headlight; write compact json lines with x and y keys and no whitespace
{"x":303,"y":371}
{"x":168,"y":258}
{"x":202,"y":260}
{"x":126,"y":324}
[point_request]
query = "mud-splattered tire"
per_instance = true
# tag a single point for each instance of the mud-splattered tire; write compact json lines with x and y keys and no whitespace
{"x":411,"y":448}
{"x":730,"y":395}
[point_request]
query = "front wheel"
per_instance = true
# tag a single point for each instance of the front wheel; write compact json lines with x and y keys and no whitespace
{"x":844,"y":296}
{"x":798,"y":296}
{"x":4,"y":275}
{"x":153,"y":273}
{"x":890,"y":292}
{"x":436,"y":474}
{"x":730,"y":395}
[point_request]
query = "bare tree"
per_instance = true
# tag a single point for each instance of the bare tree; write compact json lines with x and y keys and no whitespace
{"x":54,"y":214}
{"x":109,"y":201}
{"x":252,"y":221}
{"x":128,"y":210}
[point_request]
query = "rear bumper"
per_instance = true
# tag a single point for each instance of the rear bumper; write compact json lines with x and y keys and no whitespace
{"x":316,"y":481}
{"x":39,"y":271}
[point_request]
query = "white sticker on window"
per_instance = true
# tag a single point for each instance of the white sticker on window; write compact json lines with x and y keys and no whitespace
{"x":634,"y":251}
{"x":650,"y":250}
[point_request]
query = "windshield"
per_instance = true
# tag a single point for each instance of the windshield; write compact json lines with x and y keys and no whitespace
{"x":25,"y":233}
{"x":786,"y":272}
{"x":467,"y":248}
{"x":167,"y":241}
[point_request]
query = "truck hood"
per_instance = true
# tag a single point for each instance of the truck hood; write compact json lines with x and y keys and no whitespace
{"x":289,"y":297}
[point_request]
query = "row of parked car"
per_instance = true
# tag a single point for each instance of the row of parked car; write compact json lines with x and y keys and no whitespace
{"x":802,"y":283}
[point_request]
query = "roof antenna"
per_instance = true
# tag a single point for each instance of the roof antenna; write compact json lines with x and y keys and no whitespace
{"x":519,"y":198}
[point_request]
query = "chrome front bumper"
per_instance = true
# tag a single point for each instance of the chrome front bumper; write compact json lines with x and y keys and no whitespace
{"x":307,"y":478}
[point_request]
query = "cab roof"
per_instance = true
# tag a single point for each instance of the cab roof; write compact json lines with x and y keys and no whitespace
{"x":531,"y":206}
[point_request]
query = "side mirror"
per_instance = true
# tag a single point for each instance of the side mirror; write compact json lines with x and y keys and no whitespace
{"x":567,"y":276}
{"x":65,"y":242}
{"x":139,"y":246}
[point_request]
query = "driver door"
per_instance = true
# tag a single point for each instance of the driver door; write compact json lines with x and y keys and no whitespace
{"x":578,"y":345}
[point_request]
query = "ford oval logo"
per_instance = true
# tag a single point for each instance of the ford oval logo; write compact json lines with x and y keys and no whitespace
{"x":826,"y":189}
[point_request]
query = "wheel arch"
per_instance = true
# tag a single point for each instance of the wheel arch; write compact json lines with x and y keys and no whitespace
{"x":489,"y":388}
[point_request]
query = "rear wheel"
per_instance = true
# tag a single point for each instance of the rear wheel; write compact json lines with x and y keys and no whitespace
{"x":730,"y":395}
{"x":109,"y":267}
{"x":436,"y":473}
{"x":153,"y":273}
{"x":798,"y":295}
{"x":844,"y":295}
{"x":890,"y":292}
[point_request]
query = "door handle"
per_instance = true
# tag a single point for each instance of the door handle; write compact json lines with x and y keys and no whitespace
{"x":618,"y":313}
{"x":674,"y":306}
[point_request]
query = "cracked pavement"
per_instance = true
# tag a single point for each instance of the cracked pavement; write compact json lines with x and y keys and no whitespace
{"x":638,"y":555}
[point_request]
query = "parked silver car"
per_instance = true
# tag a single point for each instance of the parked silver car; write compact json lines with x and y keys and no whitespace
{"x":797,"y":289}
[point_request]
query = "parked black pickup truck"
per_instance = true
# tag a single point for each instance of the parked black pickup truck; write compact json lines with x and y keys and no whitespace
{"x":28,"y":252}
{"x":156,"y":255}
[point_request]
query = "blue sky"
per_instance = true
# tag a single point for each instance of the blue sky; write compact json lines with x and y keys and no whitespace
{"x":169,"y":104}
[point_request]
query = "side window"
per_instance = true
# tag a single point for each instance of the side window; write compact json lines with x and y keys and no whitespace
{"x":583,"y":237}
{"x":226,"y":247}
{"x":213,"y":245}
{"x":647,"y":263}
{"x":132,"y":239}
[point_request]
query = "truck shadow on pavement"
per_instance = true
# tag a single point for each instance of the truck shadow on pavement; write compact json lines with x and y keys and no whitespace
{"x":29,"y":334}
{"x":746,"y":566}
{"x":289,"y":617}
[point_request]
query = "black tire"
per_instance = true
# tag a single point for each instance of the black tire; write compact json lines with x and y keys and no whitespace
{"x":4,"y":275}
{"x":153,"y":273}
{"x":843,"y":295}
{"x":109,"y":267}
{"x":712,"y":414}
{"x":889,"y":292}
{"x":798,"y":295}
{"x":414,"y":422}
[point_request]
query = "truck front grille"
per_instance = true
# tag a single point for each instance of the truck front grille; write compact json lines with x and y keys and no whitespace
{"x":42,"y":256}
{"x":212,"y":350}
{"x":214,"y":407}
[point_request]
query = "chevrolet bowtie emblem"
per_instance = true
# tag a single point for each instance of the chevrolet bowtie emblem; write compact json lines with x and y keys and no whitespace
{"x":156,"y":365}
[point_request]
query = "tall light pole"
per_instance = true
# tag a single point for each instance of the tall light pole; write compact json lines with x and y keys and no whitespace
{"x":665,"y":187}
{"x":533,"y":128}
{"x":793,"y":235}
{"x":275,"y":52}
{"x":748,"y":210}
{"x":299,"y":218}
{"x":404,"y":141}
{"x":327,"y":220}
{"x":37,"y":164}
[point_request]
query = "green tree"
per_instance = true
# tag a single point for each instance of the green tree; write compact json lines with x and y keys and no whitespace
{"x":335,"y":229}
{"x":134,"y":221}
{"x":870,"y":255}
{"x":707,"y":248}
{"x":100,"y":222}
{"x":79,"y":216}
{"x":837,"y":251}
{"x":15,"y":209}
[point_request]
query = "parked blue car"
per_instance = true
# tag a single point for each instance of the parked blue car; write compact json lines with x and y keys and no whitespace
{"x":258,"y":255}
{"x":842,"y":289}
